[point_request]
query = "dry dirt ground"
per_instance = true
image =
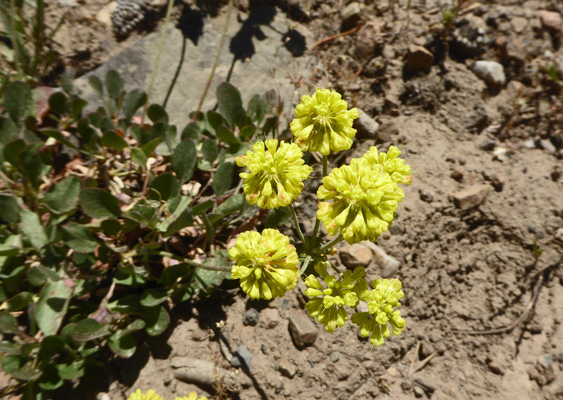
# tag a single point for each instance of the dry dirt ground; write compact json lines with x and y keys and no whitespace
{"x":466,"y":273}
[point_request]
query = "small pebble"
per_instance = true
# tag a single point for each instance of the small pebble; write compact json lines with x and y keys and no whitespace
{"x":334,"y":356}
{"x":418,"y":392}
{"x":426,"y":195}
{"x":488,"y":145}
{"x":396,"y":229}
{"x":251,"y":317}
{"x":546,"y":360}
{"x":457,"y":173}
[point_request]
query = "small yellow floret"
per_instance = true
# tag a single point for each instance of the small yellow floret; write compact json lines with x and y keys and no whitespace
{"x":192,"y":396}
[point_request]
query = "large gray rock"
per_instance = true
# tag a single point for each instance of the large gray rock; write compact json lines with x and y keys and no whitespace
{"x":261,"y":65}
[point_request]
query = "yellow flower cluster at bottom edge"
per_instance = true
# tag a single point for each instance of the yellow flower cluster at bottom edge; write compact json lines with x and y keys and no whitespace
{"x":152,"y":395}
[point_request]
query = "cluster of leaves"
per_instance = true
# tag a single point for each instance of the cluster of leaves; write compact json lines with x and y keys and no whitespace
{"x":107,"y":221}
{"x":25,"y":49}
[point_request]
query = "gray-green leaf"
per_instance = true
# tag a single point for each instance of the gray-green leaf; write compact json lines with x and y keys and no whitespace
{"x":63,"y":197}
{"x":17,"y":101}
{"x":52,"y":306}
{"x":223,"y":178}
{"x":184,"y":159}
{"x":32,"y":228}
{"x":98,"y":203}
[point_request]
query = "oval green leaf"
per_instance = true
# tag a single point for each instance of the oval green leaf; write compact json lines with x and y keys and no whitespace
{"x":98,"y":203}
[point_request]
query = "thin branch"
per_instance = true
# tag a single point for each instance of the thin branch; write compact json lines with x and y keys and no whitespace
{"x":331,"y":38}
{"x":296,"y":223}
{"x":510,"y":328}
{"x":189,"y":262}
{"x":212,"y":74}
{"x":158,"y":54}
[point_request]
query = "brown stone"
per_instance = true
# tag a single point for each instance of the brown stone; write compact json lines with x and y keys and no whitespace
{"x":356,"y":255}
{"x":303,"y":331}
{"x":551,"y":20}
{"x":457,"y":173}
{"x":471,"y":197}
{"x":418,"y":59}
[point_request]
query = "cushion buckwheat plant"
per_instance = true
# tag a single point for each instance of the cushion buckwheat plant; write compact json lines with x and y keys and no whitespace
{"x":358,"y":202}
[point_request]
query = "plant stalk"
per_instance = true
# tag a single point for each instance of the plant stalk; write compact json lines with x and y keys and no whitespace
{"x":215,"y":63}
{"x":330,"y":244}
{"x":296,"y":223}
{"x":158,"y":54}
{"x":188,"y":261}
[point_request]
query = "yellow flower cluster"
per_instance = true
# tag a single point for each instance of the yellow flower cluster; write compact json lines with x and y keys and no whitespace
{"x":327,"y":301}
{"x":276,"y":173}
{"x":364,"y":201}
{"x":381,"y":300}
{"x":266,"y":264}
{"x":323,"y":122}
{"x":151,"y":395}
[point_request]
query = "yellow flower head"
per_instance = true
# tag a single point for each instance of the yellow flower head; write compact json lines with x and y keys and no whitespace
{"x":276,"y":176}
{"x":323,"y":122}
{"x":328,"y":300}
{"x":385,"y":295}
{"x":266,"y":264}
{"x":192,"y":396}
{"x":150,"y":395}
{"x":364,"y":201}
{"x":390,"y":163}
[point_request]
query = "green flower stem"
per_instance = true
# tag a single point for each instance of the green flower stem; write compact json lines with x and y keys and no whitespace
{"x":305,"y":265}
{"x":212,"y":73}
{"x":330,"y":244}
{"x":335,"y":269}
{"x":296,"y":223}
{"x":188,"y":261}
{"x":158,"y":54}
{"x":317,"y":221}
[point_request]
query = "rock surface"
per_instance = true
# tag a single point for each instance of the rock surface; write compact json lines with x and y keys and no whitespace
{"x":193,"y":58}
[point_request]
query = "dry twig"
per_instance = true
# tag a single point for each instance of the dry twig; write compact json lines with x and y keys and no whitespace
{"x":331,"y":38}
{"x":424,"y":362}
{"x":522,"y":317}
